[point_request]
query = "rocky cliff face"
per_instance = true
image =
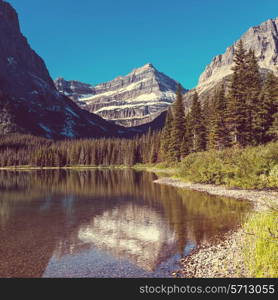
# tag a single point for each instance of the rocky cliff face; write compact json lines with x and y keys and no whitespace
{"x":29,"y":101}
{"x":75,"y":90}
{"x":131,"y":100}
{"x":263,"y":39}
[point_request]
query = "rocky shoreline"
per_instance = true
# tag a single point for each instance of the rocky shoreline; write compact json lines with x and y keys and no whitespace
{"x":221,"y":258}
{"x":256,"y":197}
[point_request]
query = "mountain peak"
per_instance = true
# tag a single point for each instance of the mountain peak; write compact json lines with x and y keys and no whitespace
{"x":8,"y":18}
{"x":263,"y":39}
{"x":148,"y":66}
{"x":131,"y":100}
{"x":144,"y":68}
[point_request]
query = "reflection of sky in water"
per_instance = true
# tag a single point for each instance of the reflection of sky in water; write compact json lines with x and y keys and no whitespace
{"x":103,"y":224}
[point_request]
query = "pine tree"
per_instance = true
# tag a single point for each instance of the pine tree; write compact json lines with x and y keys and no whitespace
{"x":178,"y":127}
{"x":253,"y":101}
{"x":208,"y":113}
{"x":197,"y":127}
{"x":237,"y":107}
{"x":186,"y":145}
{"x":273,"y":130}
{"x":269,"y":111}
{"x":166,"y":136}
{"x":217,"y":136}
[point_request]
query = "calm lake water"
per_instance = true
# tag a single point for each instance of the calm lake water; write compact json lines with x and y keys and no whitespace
{"x":103,"y":223}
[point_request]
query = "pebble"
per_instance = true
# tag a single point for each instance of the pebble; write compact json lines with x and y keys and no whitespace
{"x":215,"y":260}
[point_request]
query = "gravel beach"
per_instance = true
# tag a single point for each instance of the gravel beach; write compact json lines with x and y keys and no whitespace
{"x":257,"y":198}
{"x":222,"y":257}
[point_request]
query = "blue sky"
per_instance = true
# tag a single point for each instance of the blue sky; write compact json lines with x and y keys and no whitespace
{"x":95,"y":41}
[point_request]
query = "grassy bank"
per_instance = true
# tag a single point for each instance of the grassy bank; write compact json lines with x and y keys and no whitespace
{"x":260,"y":247}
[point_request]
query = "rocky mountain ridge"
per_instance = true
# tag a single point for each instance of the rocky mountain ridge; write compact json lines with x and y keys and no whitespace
{"x":263,"y":39}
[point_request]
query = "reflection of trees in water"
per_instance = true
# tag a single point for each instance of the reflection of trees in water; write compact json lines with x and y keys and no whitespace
{"x":206,"y":215}
{"x":44,"y":210}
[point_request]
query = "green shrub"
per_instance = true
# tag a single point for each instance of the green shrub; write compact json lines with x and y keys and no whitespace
{"x":252,"y":167}
{"x":273,"y":176}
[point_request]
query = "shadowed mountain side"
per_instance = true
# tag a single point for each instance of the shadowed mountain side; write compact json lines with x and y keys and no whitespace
{"x":29,"y":101}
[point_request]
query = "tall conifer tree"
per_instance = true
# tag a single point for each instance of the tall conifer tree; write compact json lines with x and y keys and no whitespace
{"x":269,"y":111}
{"x":166,"y":136}
{"x":253,"y":101}
{"x":208,"y":111}
{"x":217,"y":136}
{"x":178,"y":126}
{"x":237,"y":108}
{"x":186,"y":146}
{"x":197,"y":125}
{"x":273,"y":130}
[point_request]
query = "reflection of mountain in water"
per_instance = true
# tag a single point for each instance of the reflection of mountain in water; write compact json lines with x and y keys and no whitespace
{"x":132,"y":232}
{"x":46,"y":214}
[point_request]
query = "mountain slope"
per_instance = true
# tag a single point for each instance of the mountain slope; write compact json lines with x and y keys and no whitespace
{"x":263,"y":39}
{"x":135,"y":99}
{"x":29,"y":101}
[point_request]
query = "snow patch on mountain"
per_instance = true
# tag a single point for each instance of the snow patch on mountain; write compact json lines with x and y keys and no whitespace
{"x":115,"y":107}
{"x":140,"y":95}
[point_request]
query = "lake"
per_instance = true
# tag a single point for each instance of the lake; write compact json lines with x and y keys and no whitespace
{"x":103,"y":223}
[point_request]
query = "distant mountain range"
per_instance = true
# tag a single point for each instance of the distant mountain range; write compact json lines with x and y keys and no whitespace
{"x":135,"y":99}
{"x":30,"y":102}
